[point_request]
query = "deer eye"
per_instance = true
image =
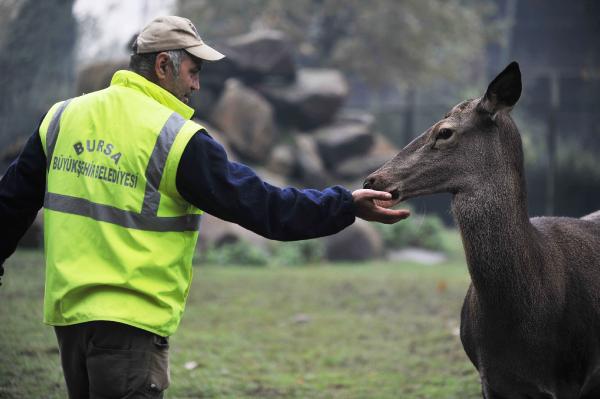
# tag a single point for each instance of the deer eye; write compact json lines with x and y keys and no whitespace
{"x":444,"y":134}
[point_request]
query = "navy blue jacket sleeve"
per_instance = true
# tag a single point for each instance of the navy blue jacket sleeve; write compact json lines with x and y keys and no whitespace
{"x":21,"y":195}
{"x":233,"y":192}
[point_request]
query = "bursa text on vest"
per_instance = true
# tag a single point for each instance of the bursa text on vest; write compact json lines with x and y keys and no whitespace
{"x":101,"y":146}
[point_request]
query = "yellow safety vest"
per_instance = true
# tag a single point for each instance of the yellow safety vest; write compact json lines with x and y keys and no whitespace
{"x":119,"y":239}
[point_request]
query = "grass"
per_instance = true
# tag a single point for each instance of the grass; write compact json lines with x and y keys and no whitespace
{"x":335,"y":331}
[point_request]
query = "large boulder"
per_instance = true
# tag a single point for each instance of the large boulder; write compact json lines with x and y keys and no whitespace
{"x":358,"y":242}
{"x":204,"y":102}
{"x":283,"y":160}
{"x":343,"y":140}
{"x":357,"y":116}
{"x":215,"y":232}
{"x":358,"y":167}
{"x":262,"y":55}
{"x":382,"y":146}
{"x":311,"y":101}
{"x":246,"y":120}
{"x":214,"y":74}
{"x":98,"y":76}
{"x":309,"y":168}
{"x":258,"y":56}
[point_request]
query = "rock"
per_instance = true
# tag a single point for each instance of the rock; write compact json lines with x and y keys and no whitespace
{"x":217,"y":232}
{"x":310,"y":169}
{"x":283,"y":160}
{"x":246,"y":120}
{"x":382,"y":146}
{"x":214,"y":74}
{"x":343,"y":140}
{"x":98,"y":76}
{"x":356,"y":116}
{"x":417,"y":255}
{"x":254,"y":57}
{"x":359,"y":167}
{"x":358,"y":242}
{"x":311,"y":101}
{"x":204,"y":102}
{"x":191,"y":365}
{"x":262,"y":55}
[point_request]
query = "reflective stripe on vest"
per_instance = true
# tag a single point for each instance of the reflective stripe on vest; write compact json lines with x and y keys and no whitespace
{"x":147,"y":219}
{"x":52,"y":133}
{"x":110,"y":214}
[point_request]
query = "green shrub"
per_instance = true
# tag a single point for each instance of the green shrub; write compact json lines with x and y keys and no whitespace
{"x":297,"y":253}
{"x":294,"y":253}
{"x":417,"y":231}
{"x":237,"y":253}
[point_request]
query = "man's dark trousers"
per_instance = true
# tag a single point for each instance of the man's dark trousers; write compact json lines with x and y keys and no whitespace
{"x":103,"y":359}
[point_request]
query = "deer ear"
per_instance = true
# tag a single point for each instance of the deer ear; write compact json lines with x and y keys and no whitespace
{"x":503,"y":92}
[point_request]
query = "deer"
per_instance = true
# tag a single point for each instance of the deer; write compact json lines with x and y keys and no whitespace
{"x":530,"y":321}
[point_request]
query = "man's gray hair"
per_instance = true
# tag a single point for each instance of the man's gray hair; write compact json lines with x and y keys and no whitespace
{"x":176,"y":58}
{"x":143,"y":64}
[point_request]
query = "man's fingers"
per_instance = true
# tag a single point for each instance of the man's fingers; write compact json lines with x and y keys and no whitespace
{"x":385,"y":203}
{"x":389,"y":219}
{"x":378,"y":195}
{"x":375,"y":206}
{"x":393,"y":219}
{"x":366,"y":193}
{"x":393,"y":212}
{"x":389,"y":216}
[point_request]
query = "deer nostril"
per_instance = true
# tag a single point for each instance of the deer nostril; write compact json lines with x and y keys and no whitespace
{"x":369,"y":182}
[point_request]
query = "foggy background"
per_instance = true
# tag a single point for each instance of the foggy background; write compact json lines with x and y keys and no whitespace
{"x":381,"y":73}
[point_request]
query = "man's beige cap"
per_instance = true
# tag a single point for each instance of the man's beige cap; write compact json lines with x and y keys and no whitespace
{"x":174,"y":33}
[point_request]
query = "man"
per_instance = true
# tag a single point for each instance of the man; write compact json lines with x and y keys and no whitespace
{"x":124,"y":176}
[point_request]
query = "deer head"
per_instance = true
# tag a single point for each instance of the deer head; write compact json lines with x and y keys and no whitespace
{"x":464,"y":151}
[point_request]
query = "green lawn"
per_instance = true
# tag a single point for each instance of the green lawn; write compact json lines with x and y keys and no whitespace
{"x":336,"y":331}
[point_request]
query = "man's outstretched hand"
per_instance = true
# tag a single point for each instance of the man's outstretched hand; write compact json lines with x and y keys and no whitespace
{"x":374,"y":206}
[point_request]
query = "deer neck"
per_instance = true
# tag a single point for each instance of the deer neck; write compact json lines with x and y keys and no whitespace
{"x":499,"y":240}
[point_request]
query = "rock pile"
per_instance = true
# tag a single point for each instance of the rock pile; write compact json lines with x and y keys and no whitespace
{"x":299,"y":128}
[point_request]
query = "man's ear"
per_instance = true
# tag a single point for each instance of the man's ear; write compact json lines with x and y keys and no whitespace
{"x":504,"y":91}
{"x":161,"y":64}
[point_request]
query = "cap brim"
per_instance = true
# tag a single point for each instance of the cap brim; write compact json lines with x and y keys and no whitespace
{"x":205,"y":52}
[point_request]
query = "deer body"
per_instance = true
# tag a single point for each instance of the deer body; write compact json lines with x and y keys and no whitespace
{"x":531,"y":319}
{"x":530,"y":322}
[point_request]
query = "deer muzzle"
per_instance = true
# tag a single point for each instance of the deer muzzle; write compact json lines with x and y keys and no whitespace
{"x":375,"y":181}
